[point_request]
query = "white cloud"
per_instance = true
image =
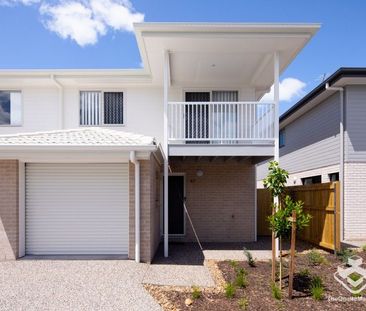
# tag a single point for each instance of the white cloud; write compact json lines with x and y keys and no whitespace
{"x":290,"y":89}
{"x":73,"y":20}
{"x":84,"y":21}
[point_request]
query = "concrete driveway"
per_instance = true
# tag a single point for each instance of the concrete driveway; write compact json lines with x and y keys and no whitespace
{"x":74,"y":285}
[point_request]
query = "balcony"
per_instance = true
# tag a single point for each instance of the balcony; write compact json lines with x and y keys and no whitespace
{"x":193,"y":125}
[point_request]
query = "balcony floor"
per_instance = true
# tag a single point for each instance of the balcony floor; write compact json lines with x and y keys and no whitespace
{"x":221,"y":150}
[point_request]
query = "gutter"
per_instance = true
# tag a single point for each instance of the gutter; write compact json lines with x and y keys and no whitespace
{"x":61,"y":100}
{"x":137,"y":204}
{"x":147,"y":148}
{"x":341,"y":154}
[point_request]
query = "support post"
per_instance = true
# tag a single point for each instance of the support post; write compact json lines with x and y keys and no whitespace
{"x":276,"y":100}
{"x":166,"y":154}
{"x":137,"y":205}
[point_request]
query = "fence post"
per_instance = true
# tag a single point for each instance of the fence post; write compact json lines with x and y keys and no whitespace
{"x":335,"y":217}
{"x":292,"y":263}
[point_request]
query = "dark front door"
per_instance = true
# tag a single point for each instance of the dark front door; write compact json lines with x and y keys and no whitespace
{"x":176,"y":208}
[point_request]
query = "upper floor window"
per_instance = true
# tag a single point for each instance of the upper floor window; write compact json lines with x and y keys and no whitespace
{"x":101,"y":108}
{"x":311,"y":180}
{"x":282,"y":138}
{"x":10,"y":108}
{"x":333,"y":177}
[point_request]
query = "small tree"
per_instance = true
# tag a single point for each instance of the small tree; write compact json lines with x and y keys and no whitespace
{"x":275,"y":182}
{"x":280,"y":222}
{"x":282,"y":211}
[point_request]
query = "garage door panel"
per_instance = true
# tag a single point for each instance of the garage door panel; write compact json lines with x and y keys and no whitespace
{"x":76,"y":209}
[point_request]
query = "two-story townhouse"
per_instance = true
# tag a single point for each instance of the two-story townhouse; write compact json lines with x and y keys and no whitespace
{"x":322,"y":139}
{"x":110,"y":161}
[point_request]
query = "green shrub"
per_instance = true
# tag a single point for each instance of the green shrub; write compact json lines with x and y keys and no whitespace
{"x":355,"y":276}
{"x":241,"y":280}
{"x":276,"y":291}
{"x":317,"y":293}
{"x":317,"y":288}
{"x":364,"y":248}
{"x":316,"y":258}
{"x":243,"y":303}
{"x":250,"y":258}
{"x":196,"y":292}
{"x":230,"y":290}
{"x":233,"y":263}
{"x":344,"y":254}
{"x":304,"y":272}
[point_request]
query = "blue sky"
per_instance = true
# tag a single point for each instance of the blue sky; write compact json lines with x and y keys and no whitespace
{"x":44,"y":34}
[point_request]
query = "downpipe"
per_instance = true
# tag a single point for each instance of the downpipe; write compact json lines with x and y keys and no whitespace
{"x":137,"y":204}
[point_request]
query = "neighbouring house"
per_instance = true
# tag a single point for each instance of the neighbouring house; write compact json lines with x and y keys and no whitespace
{"x":100,"y":162}
{"x":323,"y":139}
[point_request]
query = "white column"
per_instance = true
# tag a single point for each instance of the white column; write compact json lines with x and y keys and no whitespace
{"x":276,"y":99}
{"x":137,"y":212}
{"x":137,"y":205}
{"x":166,"y":157}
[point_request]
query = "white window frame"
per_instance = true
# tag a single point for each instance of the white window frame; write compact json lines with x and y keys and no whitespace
{"x":21,"y":108}
{"x":102,"y":124}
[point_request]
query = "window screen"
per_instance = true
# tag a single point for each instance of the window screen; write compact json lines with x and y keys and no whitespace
{"x":113,"y":108}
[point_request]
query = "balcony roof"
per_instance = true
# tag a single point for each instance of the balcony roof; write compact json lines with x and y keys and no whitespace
{"x":218,"y":55}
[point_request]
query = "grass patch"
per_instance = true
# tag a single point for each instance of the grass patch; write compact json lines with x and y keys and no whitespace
{"x":233,"y":263}
{"x":364,"y":248}
{"x":304,"y":272}
{"x":276,"y":291}
{"x":355,"y":276}
{"x":196,"y":292}
{"x":243,"y":303}
{"x":317,"y":288}
{"x":241,"y":280}
{"x":230,"y":290}
{"x":315,"y":258}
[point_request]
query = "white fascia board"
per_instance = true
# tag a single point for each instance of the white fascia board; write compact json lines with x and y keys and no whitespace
{"x":228,"y":27}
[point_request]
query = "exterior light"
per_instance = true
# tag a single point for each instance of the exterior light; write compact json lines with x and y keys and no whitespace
{"x":199,"y":173}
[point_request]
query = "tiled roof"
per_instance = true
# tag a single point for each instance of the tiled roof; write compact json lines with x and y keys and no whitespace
{"x":77,"y":137}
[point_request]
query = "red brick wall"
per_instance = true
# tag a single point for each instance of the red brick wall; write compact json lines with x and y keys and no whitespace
{"x":9,"y":210}
{"x":221,"y":203}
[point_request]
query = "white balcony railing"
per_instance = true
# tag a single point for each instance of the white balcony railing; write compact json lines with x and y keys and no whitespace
{"x":220,"y":122}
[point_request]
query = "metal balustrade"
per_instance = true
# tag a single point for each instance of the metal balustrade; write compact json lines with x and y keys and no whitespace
{"x":220,"y":122}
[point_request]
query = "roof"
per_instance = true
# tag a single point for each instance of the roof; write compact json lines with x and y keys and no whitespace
{"x":220,"y":54}
{"x":343,"y":72}
{"x":208,"y":53}
{"x":83,"y":137}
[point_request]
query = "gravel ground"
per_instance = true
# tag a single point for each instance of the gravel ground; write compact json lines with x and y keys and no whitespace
{"x":74,"y":285}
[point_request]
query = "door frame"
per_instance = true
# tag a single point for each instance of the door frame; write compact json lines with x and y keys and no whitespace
{"x":162,"y":205}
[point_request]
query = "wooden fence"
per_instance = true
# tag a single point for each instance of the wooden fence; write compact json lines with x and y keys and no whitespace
{"x":321,"y":201}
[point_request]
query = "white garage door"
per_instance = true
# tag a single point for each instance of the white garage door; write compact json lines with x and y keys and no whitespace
{"x":76,"y":209}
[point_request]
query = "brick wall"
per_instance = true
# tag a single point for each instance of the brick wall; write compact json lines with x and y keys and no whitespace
{"x":9,"y":211}
{"x":355,"y":201}
{"x":149,"y":213}
{"x":221,"y":202}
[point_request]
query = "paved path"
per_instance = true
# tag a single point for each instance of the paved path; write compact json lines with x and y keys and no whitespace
{"x":74,"y":285}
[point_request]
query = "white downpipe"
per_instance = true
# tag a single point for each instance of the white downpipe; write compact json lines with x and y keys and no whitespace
{"x":166,"y":154}
{"x":276,"y":99}
{"x":137,"y":204}
{"x":341,"y":155}
{"x":60,"y":100}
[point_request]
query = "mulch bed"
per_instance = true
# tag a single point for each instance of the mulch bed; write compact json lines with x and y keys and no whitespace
{"x":258,"y":292}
